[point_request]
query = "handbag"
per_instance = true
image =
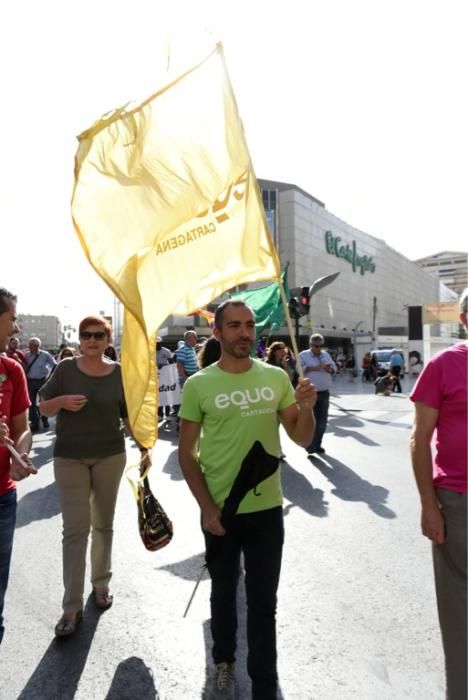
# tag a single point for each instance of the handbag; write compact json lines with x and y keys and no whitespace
{"x":155,"y":527}
{"x":156,"y":530}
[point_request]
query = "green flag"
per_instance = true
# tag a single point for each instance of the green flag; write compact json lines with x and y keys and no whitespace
{"x":267,"y":305}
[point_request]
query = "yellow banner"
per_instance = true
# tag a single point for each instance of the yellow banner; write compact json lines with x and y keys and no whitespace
{"x":169,"y":214}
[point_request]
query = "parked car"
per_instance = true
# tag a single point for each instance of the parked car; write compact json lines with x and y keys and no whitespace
{"x":382,"y":360}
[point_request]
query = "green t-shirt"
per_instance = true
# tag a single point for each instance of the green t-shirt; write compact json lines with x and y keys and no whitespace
{"x":235,"y":410}
{"x":95,"y":430}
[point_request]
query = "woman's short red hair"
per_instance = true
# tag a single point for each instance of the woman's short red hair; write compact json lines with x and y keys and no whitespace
{"x":96,"y":321}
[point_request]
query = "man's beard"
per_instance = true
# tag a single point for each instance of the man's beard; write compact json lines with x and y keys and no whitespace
{"x":237,"y":352}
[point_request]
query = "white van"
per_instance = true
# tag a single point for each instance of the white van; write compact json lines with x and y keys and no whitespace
{"x":382,"y":359}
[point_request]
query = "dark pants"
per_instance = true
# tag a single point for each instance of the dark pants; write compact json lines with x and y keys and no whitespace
{"x":260,"y":536}
{"x":450,"y":579}
{"x":33,"y":389}
{"x":7,"y":528}
{"x":396,"y":371}
{"x":321,"y":418}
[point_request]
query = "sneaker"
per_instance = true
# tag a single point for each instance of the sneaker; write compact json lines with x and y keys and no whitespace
{"x":315,"y":451}
{"x":223,"y":682}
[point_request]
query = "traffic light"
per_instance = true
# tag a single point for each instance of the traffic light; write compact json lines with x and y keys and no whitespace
{"x":294,"y":308}
{"x":299,"y":305}
{"x":304,"y":300}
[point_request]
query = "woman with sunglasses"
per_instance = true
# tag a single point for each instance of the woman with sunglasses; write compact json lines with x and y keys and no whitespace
{"x":86,"y":395}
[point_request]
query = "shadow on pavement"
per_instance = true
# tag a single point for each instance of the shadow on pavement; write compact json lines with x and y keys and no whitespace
{"x":172,"y":466}
{"x":59,"y":671}
{"x":350,"y":487}
{"x":41,"y":453}
{"x":188,"y":569}
{"x":132,"y":679}
{"x":40,"y":504}
{"x":242,"y":678}
{"x":342,"y":427}
{"x":167,"y":431}
{"x":298,"y":489}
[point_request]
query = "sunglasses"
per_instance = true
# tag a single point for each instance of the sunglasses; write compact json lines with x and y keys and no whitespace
{"x":97,"y":335}
{"x":315,"y":346}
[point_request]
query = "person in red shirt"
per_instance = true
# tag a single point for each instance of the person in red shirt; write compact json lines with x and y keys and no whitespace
{"x":14,"y":430}
{"x":14,"y":352}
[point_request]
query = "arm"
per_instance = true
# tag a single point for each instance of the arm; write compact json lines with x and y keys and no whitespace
{"x":145,"y":458}
{"x":22,"y":441}
{"x":432,"y":522}
{"x":303,"y":364}
{"x":289,"y":370}
{"x":298,"y":420}
{"x":54,"y":397}
{"x":52,"y":364}
{"x":327,"y":363}
{"x":129,"y":430}
{"x":188,"y":441}
{"x":68,"y":402}
{"x":181,"y":370}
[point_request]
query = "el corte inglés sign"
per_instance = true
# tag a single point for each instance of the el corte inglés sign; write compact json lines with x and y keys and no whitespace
{"x":348,"y":251}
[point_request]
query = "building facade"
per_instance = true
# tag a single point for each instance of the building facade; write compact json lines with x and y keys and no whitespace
{"x":450,"y":267}
{"x":47,"y":328}
{"x":367,"y":304}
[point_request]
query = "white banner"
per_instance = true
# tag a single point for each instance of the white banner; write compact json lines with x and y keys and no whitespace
{"x":169,"y":389}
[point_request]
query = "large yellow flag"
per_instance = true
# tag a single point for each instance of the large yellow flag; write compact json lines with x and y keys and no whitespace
{"x":168,"y":211}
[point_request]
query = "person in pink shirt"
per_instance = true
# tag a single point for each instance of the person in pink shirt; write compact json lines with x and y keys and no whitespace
{"x":441,"y":406}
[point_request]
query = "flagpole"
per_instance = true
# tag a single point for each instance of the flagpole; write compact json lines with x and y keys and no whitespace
{"x":290,"y":328}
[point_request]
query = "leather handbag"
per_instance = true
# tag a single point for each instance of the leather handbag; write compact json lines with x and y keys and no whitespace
{"x":156,"y":530}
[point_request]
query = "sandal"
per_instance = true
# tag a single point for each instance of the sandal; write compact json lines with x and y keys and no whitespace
{"x":66,"y":626}
{"x":102,"y":598}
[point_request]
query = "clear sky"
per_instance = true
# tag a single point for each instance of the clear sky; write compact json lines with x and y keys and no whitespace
{"x":362,"y":103}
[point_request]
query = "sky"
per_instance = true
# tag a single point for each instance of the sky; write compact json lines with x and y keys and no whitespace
{"x":362,"y":103}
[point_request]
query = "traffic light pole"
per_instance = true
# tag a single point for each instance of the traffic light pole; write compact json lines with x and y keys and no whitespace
{"x":300,"y":307}
{"x":293,"y":336}
{"x":297,"y":333}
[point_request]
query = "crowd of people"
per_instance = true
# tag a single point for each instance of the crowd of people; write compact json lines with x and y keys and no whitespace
{"x":235,"y":395}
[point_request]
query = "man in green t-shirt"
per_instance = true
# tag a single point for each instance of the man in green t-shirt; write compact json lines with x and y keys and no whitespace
{"x":231,"y":412}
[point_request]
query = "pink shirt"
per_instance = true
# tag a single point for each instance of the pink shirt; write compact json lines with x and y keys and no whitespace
{"x":443,"y":385}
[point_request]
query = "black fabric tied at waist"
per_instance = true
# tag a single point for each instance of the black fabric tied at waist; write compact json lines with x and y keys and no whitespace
{"x":256,"y":466}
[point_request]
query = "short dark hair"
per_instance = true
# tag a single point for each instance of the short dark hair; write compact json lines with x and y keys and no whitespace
{"x":5,"y":294}
{"x":219,"y":313}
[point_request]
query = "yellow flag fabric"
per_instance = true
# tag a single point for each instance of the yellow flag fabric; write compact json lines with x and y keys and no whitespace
{"x":169,"y":214}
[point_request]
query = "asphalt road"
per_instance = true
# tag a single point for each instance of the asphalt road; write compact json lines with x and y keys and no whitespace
{"x":356,"y":615}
